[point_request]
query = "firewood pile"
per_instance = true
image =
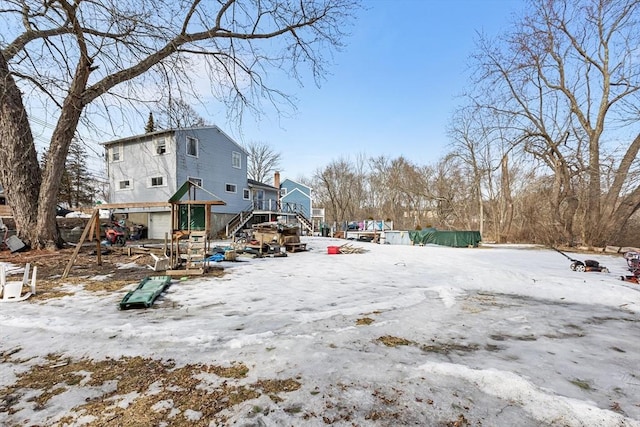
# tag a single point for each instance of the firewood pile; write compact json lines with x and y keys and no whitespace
{"x":348,"y":248}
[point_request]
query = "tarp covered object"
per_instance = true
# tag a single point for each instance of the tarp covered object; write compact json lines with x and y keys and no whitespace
{"x":456,"y":239}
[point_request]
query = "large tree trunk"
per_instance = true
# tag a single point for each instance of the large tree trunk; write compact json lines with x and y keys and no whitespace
{"x":615,"y":212}
{"x":33,"y":193}
{"x":18,"y":161}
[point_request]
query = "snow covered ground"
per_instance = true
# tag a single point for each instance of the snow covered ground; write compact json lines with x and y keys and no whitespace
{"x":399,"y":335}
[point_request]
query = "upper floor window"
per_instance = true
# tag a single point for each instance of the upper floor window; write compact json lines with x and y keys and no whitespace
{"x":161,"y":146}
{"x":283,"y":192}
{"x":192,"y":146}
{"x":115,"y":153}
{"x":196,"y":181}
{"x":236,"y":160}
{"x":246,"y":194}
{"x":125,"y":184}
{"x":230,"y":188}
{"x":157,"y":181}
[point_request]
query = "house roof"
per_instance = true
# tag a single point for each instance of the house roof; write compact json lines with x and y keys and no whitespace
{"x":254,"y":183}
{"x":295,"y":182}
{"x":170,"y":131}
{"x":138,"y":137}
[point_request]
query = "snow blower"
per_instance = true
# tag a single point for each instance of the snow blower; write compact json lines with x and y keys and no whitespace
{"x":582,"y":266}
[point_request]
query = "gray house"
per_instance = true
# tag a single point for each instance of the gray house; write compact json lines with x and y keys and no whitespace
{"x":152,"y":166}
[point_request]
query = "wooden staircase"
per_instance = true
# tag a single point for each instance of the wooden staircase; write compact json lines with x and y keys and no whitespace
{"x":237,"y":222}
{"x":304,"y":221}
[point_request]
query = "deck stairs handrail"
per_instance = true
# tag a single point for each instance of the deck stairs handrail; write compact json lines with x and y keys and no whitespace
{"x":304,"y":221}
{"x":239,"y":221}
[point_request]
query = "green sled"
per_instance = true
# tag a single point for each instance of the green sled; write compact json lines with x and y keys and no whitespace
{"x":146,"y":293}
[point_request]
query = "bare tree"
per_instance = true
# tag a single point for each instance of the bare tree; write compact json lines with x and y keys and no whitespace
{"x":399,"y":189}
{"x":339,"y":188}
{"x":568,"y":79}
{"x":178,"y":114}
{"x":72,"y":55}
{"x":263,"y":161}
{"x":482,"y":142}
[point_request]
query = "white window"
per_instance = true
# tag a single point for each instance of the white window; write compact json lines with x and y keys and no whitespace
{"x":283,"y":192}
{"x":161,"y":146}
{"x":236,"y":160}
{"x":157,"y":181}
{"x":125,"y":184}
{"x":230,"y":188}
{"x":192,"y":146}
{"x":196,"y":181}
{"x":246,"y":194}
{"x":115,"y":153}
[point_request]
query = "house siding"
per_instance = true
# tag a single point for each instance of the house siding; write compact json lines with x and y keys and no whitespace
{"x":298,"y":194}
{"x":213,"y":166}
{"x":139,"y":164}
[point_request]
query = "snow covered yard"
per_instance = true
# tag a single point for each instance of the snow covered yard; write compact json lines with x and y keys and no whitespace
{"x":399,"y":335}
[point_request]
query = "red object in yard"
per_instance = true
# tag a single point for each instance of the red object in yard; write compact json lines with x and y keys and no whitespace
{"x":333,"y":250}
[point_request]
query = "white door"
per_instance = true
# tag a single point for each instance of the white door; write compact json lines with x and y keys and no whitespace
{"x":159,"y":224}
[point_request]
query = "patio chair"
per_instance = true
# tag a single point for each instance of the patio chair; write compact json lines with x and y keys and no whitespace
{"x":12,"y":291}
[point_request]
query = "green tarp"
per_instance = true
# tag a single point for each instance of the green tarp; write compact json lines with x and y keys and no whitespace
{"x":456,"y":239}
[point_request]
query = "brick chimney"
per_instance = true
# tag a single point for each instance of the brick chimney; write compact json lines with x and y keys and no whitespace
{"x":276,"y":183}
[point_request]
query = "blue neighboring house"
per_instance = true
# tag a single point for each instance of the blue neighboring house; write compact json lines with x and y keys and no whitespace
{"x":295,"y":194}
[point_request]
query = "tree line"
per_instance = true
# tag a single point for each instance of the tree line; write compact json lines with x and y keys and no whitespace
{"x":544,"y":146}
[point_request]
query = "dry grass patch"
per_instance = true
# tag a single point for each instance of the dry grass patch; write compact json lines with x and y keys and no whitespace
{"x":156,"y":391}
{"x":364,"y":321}
{"x":391,"y":341}
{"x":435,"y":347}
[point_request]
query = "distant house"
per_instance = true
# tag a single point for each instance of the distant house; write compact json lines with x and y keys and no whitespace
{"x":294,"y":193}
{"x":151,"y":167}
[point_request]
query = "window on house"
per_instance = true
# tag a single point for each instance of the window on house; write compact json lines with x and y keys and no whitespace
{"x":157,"y":181}
{"x":283,"y":192}
{"x":116,"y":153}
{"x":161,"y":146}
{"x":236,"y":160}
{"x":246,"y":194}
{"x":124,"y":184}
{"x":196,"y":181}
{"x":230,"y":188}
{"x":192,"y":146}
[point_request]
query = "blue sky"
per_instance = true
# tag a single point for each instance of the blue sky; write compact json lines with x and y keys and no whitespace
{"x":392,"y":89}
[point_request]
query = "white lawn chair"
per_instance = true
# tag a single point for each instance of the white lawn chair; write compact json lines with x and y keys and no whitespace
{"x":12,"y":291}
{"x":160,"y":263}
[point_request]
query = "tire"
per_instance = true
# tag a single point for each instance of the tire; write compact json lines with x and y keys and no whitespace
{"x":581,"y":268}
{"x":120,"y":241}
{"x":573,"y":266}
{"x":604,"y":270}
